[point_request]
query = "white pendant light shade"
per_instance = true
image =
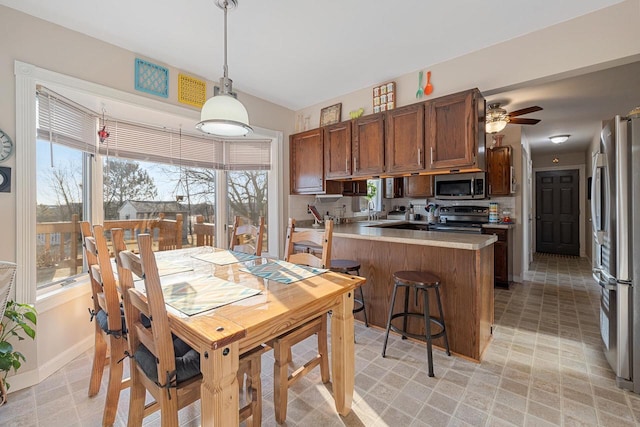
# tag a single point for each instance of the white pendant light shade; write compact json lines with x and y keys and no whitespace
{"x":224,"y":115}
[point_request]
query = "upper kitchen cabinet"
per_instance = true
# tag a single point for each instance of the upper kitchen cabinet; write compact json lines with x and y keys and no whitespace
{"x":368,"y":145}
{"x":454,"y":132}
{"x":306,"y":153}
{"x":337,"y":150}
{"x":405,"y":139}
{"x":418,"y":186}
{"x":499,"y":171}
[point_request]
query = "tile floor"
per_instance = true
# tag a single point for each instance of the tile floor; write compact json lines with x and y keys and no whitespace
{"x":544,"y":367}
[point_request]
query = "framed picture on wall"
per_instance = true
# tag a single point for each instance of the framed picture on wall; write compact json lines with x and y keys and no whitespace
{"x":331,"y":115}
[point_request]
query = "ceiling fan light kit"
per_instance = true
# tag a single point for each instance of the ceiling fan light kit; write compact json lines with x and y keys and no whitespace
{"x":497,"y":117}
{"x":559,"y":139}
{"x":223,"y":114}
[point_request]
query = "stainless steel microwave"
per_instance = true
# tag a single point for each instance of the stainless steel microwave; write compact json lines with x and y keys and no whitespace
{"x":460,"y":186}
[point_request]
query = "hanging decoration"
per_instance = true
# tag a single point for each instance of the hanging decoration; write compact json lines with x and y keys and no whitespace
{"x":102,"y":133}
{"x":180,"y":186}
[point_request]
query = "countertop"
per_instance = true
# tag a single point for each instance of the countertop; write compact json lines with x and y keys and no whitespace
{"x":503,"y":225}
{"x":367,"y":230}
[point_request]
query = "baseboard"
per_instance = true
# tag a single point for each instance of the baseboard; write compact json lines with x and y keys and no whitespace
{"x":35,"y":376}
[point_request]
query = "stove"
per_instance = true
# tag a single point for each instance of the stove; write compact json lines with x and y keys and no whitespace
{"x":462,"y":219}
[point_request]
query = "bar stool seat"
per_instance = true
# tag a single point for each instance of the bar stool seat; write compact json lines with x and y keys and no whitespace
{"x":419,"y":281}
{"x":347,"y":266}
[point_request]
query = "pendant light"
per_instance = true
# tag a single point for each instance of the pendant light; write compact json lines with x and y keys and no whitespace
{"x":223,"y":114}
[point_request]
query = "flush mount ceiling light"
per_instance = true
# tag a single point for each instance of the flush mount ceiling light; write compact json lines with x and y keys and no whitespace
{"x":223,"y":114}
{"x":559,"y":139}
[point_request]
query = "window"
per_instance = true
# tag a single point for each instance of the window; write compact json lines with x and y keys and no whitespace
{"x":247,"y":193}
{"x":183,"y":167}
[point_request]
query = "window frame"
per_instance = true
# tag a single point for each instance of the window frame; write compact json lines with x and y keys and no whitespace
{"x":28,"y":76}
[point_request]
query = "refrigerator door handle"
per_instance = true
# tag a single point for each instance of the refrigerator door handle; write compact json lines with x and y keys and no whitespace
{"x":599,"y":165}
{"x":605,"y":280}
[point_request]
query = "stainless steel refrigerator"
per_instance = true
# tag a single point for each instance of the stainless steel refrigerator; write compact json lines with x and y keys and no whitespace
{"x":615,"y":205}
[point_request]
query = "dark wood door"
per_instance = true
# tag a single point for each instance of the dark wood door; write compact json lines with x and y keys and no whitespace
{"x":368,"y":145}
{"x":499,"y":171}
{"x":557,"y":212}
{"x":306,"y":162}
{"x":337,"y":150}
{"x":405,"y":139}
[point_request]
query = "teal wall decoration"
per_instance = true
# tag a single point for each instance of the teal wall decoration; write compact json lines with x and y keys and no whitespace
{"x":152,"y":78}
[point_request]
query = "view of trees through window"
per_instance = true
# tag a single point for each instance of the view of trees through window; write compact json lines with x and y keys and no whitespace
{"x":132,"y":190}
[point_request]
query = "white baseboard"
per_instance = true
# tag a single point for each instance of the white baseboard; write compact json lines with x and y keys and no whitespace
{"x":27,"y":379}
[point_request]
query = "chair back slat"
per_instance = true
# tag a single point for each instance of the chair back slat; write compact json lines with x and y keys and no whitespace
{"x":247,"y":238}
{"x":107,"y":278}
{"x":319,"y":238}
{"x":161,"y":345}
{"x":90,"y":250}
{"x":204,"y":231}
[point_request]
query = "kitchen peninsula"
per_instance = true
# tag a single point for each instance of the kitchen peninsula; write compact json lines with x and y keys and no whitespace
{"x":464,"y":263}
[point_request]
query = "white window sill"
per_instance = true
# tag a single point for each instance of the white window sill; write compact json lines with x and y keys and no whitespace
{"x":54,"y":296}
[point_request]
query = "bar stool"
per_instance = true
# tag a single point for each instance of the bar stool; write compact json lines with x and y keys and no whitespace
{"x":347,"y":266}
{"x":419,"y":281}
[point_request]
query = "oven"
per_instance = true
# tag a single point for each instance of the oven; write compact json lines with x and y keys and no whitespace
{"x":461,"y":219}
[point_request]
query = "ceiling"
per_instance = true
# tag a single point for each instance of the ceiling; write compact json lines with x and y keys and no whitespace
{"x":299,"y":53}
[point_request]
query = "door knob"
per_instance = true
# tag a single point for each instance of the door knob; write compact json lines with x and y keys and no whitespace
{"x":537,"y":217}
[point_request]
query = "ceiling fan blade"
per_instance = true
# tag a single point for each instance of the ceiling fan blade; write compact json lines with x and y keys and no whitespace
{"x":525,"y":111}
{"x":524,"y":121}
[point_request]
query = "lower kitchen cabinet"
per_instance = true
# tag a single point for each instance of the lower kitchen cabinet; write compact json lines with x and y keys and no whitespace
{"x":502,"y":259}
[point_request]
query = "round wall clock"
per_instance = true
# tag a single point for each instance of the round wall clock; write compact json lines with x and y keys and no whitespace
{"x":6,"y":146}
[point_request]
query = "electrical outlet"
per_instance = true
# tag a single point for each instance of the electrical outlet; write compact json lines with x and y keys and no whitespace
{"x":308,"y":210}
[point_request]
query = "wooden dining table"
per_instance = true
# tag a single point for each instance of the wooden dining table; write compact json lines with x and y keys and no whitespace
{"x":222,"y":334}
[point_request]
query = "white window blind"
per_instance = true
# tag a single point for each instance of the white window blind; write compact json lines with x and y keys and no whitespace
{"x":247,"y":155}
{"x":59,"y":121}
{"x":63,"y":121}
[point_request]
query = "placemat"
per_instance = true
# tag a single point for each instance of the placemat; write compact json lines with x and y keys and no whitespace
{"x":225,"y":257}
{"x":204,"y":293}
{"x":283,"y":271}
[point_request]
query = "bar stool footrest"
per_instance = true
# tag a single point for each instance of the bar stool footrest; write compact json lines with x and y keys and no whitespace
{"x":420,"y":337}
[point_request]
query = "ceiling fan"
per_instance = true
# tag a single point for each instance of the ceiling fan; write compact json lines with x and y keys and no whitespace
{"x":497,"y":118}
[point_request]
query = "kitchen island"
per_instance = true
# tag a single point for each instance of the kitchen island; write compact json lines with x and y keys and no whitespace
{"x":464,"y":263}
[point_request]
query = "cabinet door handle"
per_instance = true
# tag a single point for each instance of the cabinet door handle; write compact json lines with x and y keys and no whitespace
{"x":419,"y":155}
{"x":355,"y":164}
{"x":346,"y":165}
{"x":431,"y":155}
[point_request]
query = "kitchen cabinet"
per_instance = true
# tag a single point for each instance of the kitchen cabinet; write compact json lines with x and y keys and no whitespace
{"x":306,"y":155}
{"x":393,"y":188}
{"x":454,"y":132}
{"x":418,"y":186}
{"x":354,"y":188}
{"x":404,"y":139}
{"x":499,"y":171}
{"x":502,"y":261}
{"x":337,"y":150}
{"x":368,"y":145}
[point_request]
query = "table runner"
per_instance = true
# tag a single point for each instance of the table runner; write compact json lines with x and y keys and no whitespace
{"x":283,"y":271}
{"x":198,"y":294}
{"x":225,"y":257}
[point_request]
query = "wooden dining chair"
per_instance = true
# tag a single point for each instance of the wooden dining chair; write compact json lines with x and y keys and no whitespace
{"x":204,"y":231}
{"x":110,"y":324}
{"x":164,"y":364}
{"x":247,"y":238}
{"x":283,"y":344}
{"x":169,"y":232}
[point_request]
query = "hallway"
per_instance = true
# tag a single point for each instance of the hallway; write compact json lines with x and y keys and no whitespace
{"x":544,"y":367}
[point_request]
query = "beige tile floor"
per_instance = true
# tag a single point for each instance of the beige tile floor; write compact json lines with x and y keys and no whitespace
{"x":544,"y":367}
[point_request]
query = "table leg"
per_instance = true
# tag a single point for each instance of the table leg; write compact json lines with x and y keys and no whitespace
{"x":342,"y":353}
{"x":219,"y":391}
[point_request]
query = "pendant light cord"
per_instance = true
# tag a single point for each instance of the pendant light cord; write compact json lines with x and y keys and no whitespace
{"x":225,"y":67}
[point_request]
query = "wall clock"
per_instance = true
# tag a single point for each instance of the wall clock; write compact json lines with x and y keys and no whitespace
{"x":6,"y":146}
{"x":5,"y":180}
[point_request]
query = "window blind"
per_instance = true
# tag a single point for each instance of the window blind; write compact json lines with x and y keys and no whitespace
{"x":59,"y":121}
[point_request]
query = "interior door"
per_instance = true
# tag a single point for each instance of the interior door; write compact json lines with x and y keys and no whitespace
{"x":558,"y":212}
